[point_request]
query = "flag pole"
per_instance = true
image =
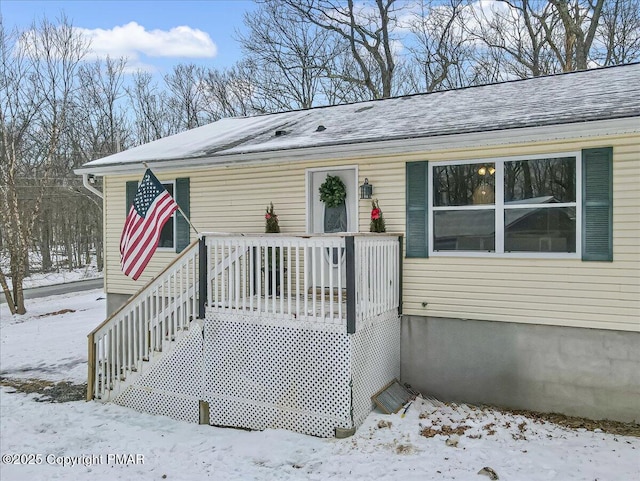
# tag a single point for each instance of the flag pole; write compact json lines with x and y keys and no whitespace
{"x":146,"y":166}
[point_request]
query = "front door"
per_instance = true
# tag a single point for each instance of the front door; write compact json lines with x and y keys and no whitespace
{"x":321,"y":219}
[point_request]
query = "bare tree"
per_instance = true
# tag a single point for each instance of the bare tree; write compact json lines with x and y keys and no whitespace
{"x":152,"y":117}
{"x":516,"y":37}
{"x":229,"y":92}
{"x":37,"y":83}
{"x":100,"y":127}
{"x":579,"y":19}
{"x":368,"y":32}
{"x":539,"y":37}
{"x":288,"y":56}
{"x":187,"y":96}
{"x":101,"y":124}
{"x":443,"y":54}
{"x":618,"y":35}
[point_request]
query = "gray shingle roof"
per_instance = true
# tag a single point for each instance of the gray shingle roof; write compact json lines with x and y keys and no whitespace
{"x":598,"y":94}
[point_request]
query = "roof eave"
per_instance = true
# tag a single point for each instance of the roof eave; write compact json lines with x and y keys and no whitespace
{"x":378,"y":148}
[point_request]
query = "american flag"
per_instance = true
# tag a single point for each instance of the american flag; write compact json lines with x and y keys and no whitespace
{"x":152,"y":207}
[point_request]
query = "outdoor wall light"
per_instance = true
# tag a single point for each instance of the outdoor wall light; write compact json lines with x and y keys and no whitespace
{"x":366,"y":190}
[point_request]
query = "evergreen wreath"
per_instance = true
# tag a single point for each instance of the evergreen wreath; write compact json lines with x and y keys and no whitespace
{"x":332,"y":191}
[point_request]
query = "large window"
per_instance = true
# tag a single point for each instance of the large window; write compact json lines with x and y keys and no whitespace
{"x":505,"y":206}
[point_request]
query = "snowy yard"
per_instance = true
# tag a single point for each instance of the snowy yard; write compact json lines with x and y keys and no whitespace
{"x":107,"y":442}
{"x":57,"y":276}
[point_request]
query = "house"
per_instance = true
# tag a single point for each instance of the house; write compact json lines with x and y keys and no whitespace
{"x":513,"y":276}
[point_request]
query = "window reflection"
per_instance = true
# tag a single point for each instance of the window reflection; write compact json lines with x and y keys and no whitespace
{"x":540,"y":180}
{"x":540,"y":230}
{"x":466,"y":184}
{"x":464,"y":230}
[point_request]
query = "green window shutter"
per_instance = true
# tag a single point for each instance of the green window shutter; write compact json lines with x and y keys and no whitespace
{"x":182,"y":197}
{"x":132,"y":188}
{"x":417,"y":202}
{"x":597,"y":204}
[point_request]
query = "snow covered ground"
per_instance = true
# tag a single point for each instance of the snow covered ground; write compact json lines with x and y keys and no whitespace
{"x":80,"y":440}
{"x":61,"y":276}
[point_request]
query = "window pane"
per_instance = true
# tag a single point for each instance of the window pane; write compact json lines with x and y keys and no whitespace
{"x":467,"y":184}
{"x":540,"y":230}
{"x":540,"y":181}
{"x":464,"y":230}
{"x":166,"y":234}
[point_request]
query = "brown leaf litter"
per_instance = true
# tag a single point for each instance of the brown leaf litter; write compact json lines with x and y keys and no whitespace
{"x":50,"y":391}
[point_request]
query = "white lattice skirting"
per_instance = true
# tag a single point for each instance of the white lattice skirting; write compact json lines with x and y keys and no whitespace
{"x":173,"y":386}
{"x":268,"y":373}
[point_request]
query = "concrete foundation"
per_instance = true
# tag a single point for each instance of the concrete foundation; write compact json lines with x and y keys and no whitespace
{"x":580,"y":372}
{"x":115,"y":302}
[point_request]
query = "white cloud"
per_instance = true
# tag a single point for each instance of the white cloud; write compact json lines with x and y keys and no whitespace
{"x":132,"y":40}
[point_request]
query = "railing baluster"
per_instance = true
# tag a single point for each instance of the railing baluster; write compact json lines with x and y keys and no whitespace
{"x":252,"y":273}
{"x":259,"y":271}
{"x":167,"y":312}
{"x":192,"y":276}
{"x":214,"y":300}
{"x":228,"y":281}
{"x":118,"y":338}
{"x":105,"y":364}
{"x":123,"y":343}
{"x":341,"y":270}
{"x":237,"y":275}
{"x":98,"y":388}
{"x":306,"y":254}
{"x":333,"y":269}
{"x":135,"y":335}
{"x":273,"y":271}
{"x":323,"y":268}
{"x":171,"y":284}
{"x":379,"y":300}
{"x":245,"y":275}
{"x":297,"y":269}
{"x":130,"y":340}
{"x":230,"y":277}
{"x":289,"y":272}
{"x":314,"y":277}
{"x":112,"y":367}
{"x":146,"y":315}
{"x":162,"y":317}
{"x":280,"y":274}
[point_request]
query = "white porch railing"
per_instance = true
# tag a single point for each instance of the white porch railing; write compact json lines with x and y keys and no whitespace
{"x":336,"y":280}
{"x":154,"y":317}
{"x":330,"y":279}
{"x":378,"y":275}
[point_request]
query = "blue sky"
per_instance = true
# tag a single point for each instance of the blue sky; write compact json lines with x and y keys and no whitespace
{"x":153,"y":34}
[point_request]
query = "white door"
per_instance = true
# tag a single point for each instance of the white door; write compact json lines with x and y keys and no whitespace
{"x":316,"y":208}
{"x":323,"y":220}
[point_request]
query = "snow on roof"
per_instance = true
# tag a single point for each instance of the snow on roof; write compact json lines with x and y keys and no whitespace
{"x":598,"y":94}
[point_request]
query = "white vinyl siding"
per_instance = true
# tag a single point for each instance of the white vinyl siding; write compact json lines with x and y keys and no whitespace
{"x":564,"y":292}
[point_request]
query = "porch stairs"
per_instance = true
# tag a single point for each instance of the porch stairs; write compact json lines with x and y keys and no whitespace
{"x":221,"y":337}
{"x":155,"y":322}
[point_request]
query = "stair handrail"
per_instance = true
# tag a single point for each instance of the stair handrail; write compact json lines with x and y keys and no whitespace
{"x":91,"y":358}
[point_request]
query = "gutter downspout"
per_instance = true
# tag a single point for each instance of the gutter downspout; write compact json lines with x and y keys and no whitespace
{"x":89,"y":187}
